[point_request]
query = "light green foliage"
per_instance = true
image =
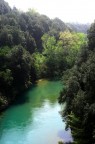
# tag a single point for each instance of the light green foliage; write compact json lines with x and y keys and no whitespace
{"x":61,"y":54}
{"x":39,"y":64}
{"x":51,"y":52}
{"x":72,"y":43}
{"x":49,"y":43}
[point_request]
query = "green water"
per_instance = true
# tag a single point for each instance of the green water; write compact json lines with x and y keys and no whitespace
{"x":35,"y":118}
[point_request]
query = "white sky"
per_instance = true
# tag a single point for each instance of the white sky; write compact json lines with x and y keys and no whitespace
{"x":82,"y":11}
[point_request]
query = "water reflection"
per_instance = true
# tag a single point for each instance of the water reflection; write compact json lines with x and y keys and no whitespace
{"x":35,"y":119}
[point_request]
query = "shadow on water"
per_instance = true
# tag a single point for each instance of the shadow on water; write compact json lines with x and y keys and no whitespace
{"x":23,"y":98}
{"x":34,"y":114}
{"x":41,"y":88}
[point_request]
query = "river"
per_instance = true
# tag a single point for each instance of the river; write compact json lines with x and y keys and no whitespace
{"x":35,"y":117}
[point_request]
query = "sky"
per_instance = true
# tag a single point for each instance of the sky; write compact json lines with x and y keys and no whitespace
{"x":81,"y":11}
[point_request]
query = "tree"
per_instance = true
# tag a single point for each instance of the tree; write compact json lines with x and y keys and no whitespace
{"x":79,"y":95}
{"x":4,"y":7}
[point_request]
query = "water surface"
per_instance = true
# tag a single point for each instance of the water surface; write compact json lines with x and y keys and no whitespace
{"x":35,"y":119}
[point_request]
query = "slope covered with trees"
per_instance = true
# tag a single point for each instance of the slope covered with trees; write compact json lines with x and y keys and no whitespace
{"x":79,"y":27}
{"x":33,"y":46}
{"x":79,"y":94}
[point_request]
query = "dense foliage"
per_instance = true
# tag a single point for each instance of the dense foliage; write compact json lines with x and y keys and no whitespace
{"x":21,"y":48}
{"x":33,"y":46}
{"x":79,"y":94}
{"x":61,"y":54}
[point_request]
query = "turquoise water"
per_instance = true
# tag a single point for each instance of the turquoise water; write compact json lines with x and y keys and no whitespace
{"x":35,"y":118}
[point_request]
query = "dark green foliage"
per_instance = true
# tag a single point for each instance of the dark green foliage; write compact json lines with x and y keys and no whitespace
{"x":79,"y":94}
{"x":32,"y":46}
{"x":4,"y":7}
{"x":91,"y":37}
{"x":16,"y":71}
{"x":59,"y":25}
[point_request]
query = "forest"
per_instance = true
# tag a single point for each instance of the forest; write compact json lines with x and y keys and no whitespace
{"x":32,"y":47}
{"x":79,"y":93}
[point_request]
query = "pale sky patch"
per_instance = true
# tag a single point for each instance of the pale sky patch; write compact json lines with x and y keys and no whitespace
{"x":82,"y":11}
